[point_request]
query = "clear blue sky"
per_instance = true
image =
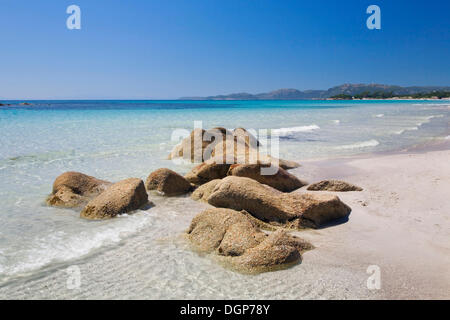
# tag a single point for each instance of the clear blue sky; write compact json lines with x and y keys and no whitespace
{"x":166,"y":49}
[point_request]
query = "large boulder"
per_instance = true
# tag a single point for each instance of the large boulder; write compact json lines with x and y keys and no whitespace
{"x":168,"y":182}
{"x":194,"y":147}
{"x":204,"y":191}
{"x":122,"y":197}
{"x":271,"y":205}
{"x":233,"y":236}
{"x":333,"y":185}
{"x":281,"y":180}
{"x":239,"y":237}
{"x":75,"y":189}
{"x":246,"y":137}
{"x":206,"y":172}
{"x":208,"y":228}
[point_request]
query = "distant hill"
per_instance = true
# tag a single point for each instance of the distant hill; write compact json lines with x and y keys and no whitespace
{"x":347,"y":89}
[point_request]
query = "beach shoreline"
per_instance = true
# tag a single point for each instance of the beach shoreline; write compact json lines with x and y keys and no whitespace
{"x":399,"y":223}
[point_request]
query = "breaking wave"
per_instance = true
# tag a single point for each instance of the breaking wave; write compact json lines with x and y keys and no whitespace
{"x":407,"y":129}
{"x":358,"y":145}
{"x":292,"y":130}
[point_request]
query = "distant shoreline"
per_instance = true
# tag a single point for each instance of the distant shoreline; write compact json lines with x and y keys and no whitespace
{"x":394,"y":98}
{"x":32,"y":102}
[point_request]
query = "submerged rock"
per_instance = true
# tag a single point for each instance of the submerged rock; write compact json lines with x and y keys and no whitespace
{"x":333,"y":185}
{"x":122,"y":197}
{"x":271,"y":205}
{"x":232,"y":235}
{"x":75,"y":189}
{"x":281,"y":180}
{"x":167,"y":182}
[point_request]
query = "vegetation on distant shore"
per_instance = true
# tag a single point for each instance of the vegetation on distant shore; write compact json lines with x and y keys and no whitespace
{"x":391,"y":95}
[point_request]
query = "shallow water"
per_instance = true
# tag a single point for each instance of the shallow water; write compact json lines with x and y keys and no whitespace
{"x":114,"y":140}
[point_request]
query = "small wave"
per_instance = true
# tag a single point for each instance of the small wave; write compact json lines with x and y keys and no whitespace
{"x":381,"y":115}
{"x":407,"y":129}
{"x":292,"y":130}
{"x":57,"y":247}
{"x":447,"y":138}
{"x":435,"y":116}
{"x":428,"y":119}
{"x":358,"y":145}
{"x":336,"y":121}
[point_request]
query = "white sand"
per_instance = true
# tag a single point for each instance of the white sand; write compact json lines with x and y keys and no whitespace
{"x":400,"y":222}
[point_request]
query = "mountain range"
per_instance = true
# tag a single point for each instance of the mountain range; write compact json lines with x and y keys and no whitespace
{"x":348,"y":89}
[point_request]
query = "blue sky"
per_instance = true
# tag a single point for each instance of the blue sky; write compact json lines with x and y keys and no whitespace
{"x":166,"y":49}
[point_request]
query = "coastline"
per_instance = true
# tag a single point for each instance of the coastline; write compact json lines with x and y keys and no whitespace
{"x":403,"y":196}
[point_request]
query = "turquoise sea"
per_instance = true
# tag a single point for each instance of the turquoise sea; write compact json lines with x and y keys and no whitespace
{"x":114,"y":140}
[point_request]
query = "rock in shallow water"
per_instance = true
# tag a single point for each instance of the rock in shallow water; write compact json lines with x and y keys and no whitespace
{"x":122,"y":197}
{"x":167,"y":182}
{"x":75,"y":189}
{"x":271,"y":205}
{"x":232,"y":235}
{"x":333,"y":185}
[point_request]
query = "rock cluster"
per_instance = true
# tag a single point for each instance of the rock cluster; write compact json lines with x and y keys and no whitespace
{"x":100,"y":199}
{"x":234,"y":236}
{"x":249,"y":191}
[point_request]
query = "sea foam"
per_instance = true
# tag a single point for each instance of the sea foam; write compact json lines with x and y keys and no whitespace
{"x":358,"y":145}
{"x":292,"y":130}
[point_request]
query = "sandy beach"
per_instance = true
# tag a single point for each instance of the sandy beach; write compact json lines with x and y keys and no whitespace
{"x":399,"y":223}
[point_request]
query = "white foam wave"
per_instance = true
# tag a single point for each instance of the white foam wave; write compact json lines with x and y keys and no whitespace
{"x":379,"y":115}
{"x":358,"y":145}
{"x":407,"y":129}
{"x":58,"y":247}
{"x":292,"y":130}
{"x":336,"y":121}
